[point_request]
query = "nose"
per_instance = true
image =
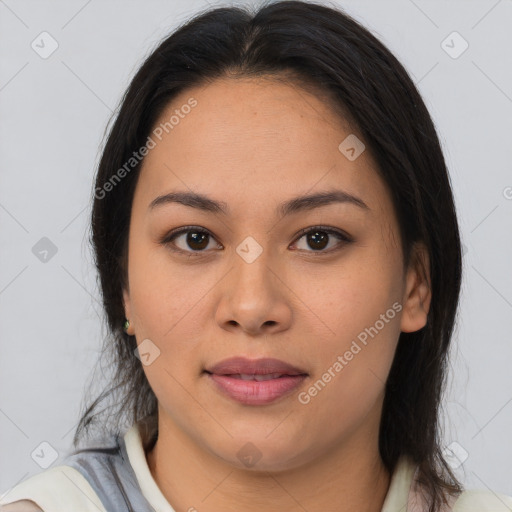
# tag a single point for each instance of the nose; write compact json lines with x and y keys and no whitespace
{"x":255,"y":298}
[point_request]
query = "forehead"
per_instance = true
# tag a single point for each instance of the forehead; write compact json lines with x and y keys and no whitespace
{"x":254,"y":140}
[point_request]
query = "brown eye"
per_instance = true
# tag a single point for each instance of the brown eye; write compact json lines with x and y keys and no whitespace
{"x":318,"y":238}
{"x":197,"y":240}
{"x":188,"y":239}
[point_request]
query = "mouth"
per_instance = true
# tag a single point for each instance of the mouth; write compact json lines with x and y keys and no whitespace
{"x":255,"y":382}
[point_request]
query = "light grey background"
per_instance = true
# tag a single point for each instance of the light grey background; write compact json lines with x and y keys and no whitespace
{"x":53,"y":113}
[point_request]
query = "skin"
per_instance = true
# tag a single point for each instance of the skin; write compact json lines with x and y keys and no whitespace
{"x":254,"y":143}
{"x":21,"y":506}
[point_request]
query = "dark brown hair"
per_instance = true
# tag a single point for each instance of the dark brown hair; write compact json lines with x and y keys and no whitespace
{"x":310,"y":44}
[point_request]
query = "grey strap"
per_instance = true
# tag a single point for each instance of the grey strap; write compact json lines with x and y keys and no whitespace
{"x":110,"y":474}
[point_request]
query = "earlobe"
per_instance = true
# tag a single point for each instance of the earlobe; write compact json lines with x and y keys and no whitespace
{"x":128,"y":327}
{"x":417,"y":292}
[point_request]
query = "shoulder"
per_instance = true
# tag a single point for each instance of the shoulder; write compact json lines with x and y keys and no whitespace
{"x":52,"y":490}
{"x":478,"y":500}
{"x":21,"y":506}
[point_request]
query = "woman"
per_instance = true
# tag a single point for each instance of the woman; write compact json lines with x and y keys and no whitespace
{"x":280,"y":262}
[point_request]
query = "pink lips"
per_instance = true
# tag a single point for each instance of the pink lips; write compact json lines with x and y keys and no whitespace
{"x":255,"y":381}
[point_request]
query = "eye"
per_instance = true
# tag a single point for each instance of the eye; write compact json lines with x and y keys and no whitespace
{"x":195,"y":238}
{"x":318,"y":238}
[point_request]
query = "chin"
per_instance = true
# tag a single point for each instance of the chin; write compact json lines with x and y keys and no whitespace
{"x":260,"y":453}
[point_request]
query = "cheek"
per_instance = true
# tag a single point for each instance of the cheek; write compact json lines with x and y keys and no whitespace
{"x":164,"y":296}
{"x":351,"y":295}
{"x":359,"y":305}
{"x":352,"y":366}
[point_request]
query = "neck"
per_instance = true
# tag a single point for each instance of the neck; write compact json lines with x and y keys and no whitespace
{"x":344,"y":479}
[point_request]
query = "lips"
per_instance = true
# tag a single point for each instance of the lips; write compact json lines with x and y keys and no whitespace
{"x":254,"y":369}
{"x":255,"y":381}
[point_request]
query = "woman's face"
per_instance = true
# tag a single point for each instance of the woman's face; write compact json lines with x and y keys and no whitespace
{"x":255,"y":286}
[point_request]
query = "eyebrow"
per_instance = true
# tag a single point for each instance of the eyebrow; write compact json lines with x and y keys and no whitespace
{"x":301,"y":203}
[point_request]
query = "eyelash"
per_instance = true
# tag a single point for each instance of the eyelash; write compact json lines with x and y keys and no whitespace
{"x":170,"y":237}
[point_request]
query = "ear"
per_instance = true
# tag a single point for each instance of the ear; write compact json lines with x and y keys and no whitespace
{"x":417,"y":290}
{"x":127,"y":311}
